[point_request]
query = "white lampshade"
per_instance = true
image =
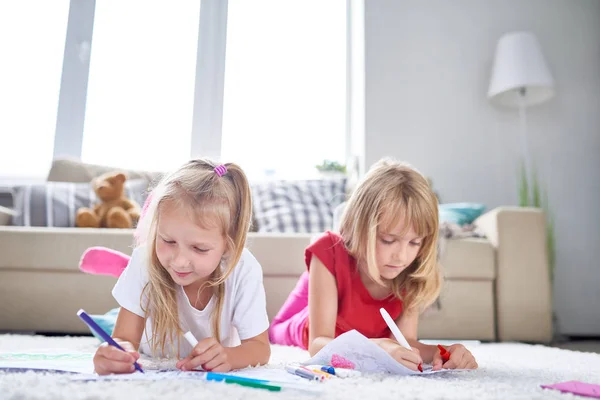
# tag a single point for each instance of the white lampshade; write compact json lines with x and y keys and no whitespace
{"x":519,"y":64}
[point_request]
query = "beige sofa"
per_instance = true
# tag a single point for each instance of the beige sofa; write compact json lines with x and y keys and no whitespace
{"x":496,"y":288}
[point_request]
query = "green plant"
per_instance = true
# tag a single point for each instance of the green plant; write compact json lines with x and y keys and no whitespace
{"x":534,"y":199}
{"x":329,"y":166}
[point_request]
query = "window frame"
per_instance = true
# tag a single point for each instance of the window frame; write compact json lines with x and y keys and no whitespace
{"x":209,"y":80}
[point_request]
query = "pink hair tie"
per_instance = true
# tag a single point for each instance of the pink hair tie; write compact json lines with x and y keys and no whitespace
{"x":221,"y":169}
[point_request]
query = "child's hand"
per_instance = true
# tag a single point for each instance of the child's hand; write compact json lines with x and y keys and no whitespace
{"x":110,"y":360}
{"x":460,"y":358}
{"x":209,"y":354}
{"x":409,"y":358}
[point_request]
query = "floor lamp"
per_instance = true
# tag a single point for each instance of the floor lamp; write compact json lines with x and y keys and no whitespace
{"x":520,"y":79}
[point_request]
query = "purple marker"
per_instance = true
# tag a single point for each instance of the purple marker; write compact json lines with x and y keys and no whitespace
{"x":304,"y":373}
{"x":96,"y":328}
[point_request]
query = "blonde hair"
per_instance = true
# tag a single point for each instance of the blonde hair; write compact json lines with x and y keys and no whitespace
{"x":222,"y":200}
{"x":392,"y":190}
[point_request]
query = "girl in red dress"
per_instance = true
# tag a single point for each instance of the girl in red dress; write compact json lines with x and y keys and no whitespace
{"x":385,"y":256}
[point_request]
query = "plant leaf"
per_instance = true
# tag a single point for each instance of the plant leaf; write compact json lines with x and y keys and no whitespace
{"x":523,"y":188}
{"x":536,"y":191}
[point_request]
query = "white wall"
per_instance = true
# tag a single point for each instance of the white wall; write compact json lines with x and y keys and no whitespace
{"x":427,"y":69}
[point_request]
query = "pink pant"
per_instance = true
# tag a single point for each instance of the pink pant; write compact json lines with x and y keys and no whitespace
{"x":288,"y":325}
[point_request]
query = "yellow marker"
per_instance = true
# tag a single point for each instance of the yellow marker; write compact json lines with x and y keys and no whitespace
{"x":325,"y":374}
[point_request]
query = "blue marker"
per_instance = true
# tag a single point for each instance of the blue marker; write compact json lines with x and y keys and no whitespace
{"x":328,"y":369}
{"x":100,"y":332}
{"x":339,"y":372}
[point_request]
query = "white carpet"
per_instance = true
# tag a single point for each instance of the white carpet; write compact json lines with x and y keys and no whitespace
{"x":507,"y":371}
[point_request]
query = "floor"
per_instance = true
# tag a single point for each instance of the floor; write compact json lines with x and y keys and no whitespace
{"x":591,"y":345}
{"x":507,"y":370}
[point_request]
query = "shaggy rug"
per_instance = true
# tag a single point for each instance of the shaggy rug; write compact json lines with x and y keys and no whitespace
{"x":507,"y":371}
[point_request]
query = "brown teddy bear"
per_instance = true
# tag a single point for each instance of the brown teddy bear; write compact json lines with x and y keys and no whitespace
{"x":115,"y":210}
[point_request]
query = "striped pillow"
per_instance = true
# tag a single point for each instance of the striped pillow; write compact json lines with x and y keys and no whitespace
{"x":303,"y":206}
{"x":55,"y":204}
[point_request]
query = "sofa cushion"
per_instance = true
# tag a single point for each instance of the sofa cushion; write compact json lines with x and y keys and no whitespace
{"x":469,"y":258}
{"x":73,"y":170}
{"x":55,"y":204}
{"x":6,"y":215}
{"x":303,"y":206}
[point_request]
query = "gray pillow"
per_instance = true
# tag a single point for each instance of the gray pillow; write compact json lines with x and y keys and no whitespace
{"x":300,"y":206}
{"x":55,"y":204}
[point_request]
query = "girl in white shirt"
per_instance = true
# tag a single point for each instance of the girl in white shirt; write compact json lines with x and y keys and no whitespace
{"x":191,"y":272}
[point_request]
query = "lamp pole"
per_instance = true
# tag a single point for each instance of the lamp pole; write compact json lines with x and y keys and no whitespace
{"x":524,"y":137}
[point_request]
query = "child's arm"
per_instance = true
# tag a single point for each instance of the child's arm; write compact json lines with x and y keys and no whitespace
{"x":322,"y":306}
{"x":251,"y":352}
{"x":128,"y":333}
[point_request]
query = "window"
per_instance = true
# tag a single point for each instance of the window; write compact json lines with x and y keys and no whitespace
{"x":141,"y":84}
{"x":261,"y":83}
{"x":284,"y":107}
{"x":32,"y":42}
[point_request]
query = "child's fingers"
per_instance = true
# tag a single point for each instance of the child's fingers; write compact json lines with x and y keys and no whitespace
{"x":218,"y":360}
{"x":455,"y":361}
{"x":224,"y":367}
{"x":113,"y":354}
{"x":450,"y":364}
{"x":181,"y":362}
{"x":408,"y":358}
{"x":185,"y":359}
{"x":409,"y":364}
{"x":201,"y":348}
{"x":204,"y":345}
{"x":408,"y":355}
{"x":115,"y":367}
{"x":466,"y":361}
{"x":437,"y":361}
{"x":104,"y":366}
{"x":413,"y":356}
{"x":201,"y":359}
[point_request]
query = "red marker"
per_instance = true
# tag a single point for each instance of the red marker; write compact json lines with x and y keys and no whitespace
{"x":444,"y":353}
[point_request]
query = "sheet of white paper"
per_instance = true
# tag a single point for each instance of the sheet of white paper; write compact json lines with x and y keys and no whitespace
{"x":365,"y":355}
{"x":63,"y":362}
{"x":274,"y":375}
{"x":148,"y":375}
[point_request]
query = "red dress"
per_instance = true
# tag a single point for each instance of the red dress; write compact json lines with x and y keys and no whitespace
{"x":357,"y":309}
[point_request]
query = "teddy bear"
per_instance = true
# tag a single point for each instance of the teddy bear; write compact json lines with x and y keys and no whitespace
{"x":115,"y":210}
{"x":100,"y":260}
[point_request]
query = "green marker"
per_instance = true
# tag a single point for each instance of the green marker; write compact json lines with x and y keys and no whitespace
{"x":249,"y":382}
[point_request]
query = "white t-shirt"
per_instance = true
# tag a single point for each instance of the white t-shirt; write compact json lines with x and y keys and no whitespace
{"x":244,"y":312}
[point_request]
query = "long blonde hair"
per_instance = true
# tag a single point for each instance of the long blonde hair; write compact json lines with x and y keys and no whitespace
{"x":225,"y":200}
{"x":390,"y":191}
